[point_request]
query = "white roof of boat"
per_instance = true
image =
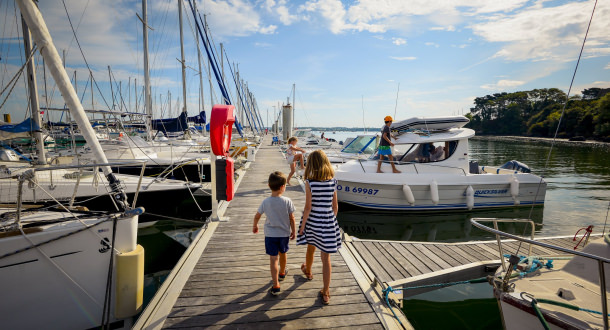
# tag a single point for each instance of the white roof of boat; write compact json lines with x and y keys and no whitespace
{"x":420,"y":137}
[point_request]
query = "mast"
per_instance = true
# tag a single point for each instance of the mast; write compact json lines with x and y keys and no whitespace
{"x":147,"y":92}
{"x":182,"y":58}
{"x":201,"y":99}
{"x":34,"y":106}
{"x":42,"y":38}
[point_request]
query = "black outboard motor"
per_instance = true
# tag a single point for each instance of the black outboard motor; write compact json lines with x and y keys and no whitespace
{"x":516,"y":166}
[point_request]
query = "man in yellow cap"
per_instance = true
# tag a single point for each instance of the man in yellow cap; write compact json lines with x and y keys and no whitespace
{"x":385,"y":145}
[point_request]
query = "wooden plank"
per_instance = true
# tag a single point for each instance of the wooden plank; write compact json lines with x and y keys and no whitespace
{"x":388,"y":263}
{"x":401,"y":261}
{"x":371,"y":261}
{"x":443,"y":255}
{"x":312,"y":312}
{"x":195,"y":297}
{"x":463,"y":257}
{"x":475,"y":253}
{"x":350,"y":321}
{"x":280,"y":302}
{"x":417,"y":267}
{"x":423,"y":248}
{"x":420,"y":257}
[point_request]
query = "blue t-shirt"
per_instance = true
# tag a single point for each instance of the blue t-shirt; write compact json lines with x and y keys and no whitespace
{"x":278,"y":210}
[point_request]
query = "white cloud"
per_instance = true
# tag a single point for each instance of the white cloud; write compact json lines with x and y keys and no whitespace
{"x":449,"y":28}
{"x":282,"y":11}
{"x":399,"y":41}
{"x":403,"y":58}
{"x":432,"y":44}
{"x":262,"y":44}
{"x":548,"y":33}
{"x":380,"y":16}
{"x":503,"y":85}
{"x":607,"y":66}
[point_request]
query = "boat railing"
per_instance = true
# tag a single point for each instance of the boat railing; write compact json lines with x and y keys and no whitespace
{"x":415,"y":165}
{"x":55,"y":185}
{"x":599,"y":259}
{"x":495,"y":222}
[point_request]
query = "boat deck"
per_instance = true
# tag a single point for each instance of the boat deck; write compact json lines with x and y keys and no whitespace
{"x":223,"y":278}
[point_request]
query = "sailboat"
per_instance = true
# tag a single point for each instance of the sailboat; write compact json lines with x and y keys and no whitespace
{"x":63,"y":269}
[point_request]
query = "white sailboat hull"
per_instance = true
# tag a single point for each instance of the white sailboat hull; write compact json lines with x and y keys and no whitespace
{"x":67,"y":293}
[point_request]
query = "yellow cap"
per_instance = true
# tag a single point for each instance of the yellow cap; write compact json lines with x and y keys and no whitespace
{"x":388,"y":118}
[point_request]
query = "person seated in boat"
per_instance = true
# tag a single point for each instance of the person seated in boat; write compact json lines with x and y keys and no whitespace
{"x":437,"y":154}
{"x":427,"y":150}
{"x":385,"y":145}
{"x":294,"y":154}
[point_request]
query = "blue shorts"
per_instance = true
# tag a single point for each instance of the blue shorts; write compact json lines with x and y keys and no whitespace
{"x":273,"y":245}
{"x":385,"y":150}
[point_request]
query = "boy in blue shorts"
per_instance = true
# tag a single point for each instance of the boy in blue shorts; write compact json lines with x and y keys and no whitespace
{"x":385,"y":145}
{"x":279,"y":227}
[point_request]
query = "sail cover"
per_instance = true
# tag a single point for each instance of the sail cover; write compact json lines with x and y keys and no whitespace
{"x":23,"y":129}
{"x":178,"y":124}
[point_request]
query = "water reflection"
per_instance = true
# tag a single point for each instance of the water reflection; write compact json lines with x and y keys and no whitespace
{"x":431,"y":227}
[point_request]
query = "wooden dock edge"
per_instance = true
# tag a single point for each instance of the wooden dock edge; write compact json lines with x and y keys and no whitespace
{"x":365,"y":279}
{"x":454,"y":271}
{"x":161,"y":305}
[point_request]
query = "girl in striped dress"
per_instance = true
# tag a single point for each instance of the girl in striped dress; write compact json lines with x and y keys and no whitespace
{"x":319,"y":227}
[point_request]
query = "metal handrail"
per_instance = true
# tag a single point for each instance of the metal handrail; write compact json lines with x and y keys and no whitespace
{"x":600,"y":260}
{"x":495,"y":222}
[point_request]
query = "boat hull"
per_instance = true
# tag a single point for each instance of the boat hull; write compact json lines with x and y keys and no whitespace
{"x":492,"y":191}
{"x":69,"y":292}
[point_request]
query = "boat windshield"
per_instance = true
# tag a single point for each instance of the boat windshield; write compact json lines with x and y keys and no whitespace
{"x":361,"y":145}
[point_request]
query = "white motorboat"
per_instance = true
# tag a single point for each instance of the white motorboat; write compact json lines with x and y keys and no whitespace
{"x":436,"y":174}
{"x":563,"y":291}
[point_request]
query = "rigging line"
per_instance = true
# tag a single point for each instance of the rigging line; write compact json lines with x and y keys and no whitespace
{"x":548,"y":158}
{"x":83,"y":54}
{"x":304,"y":110}
{"x":4,"y":35}
{"x":606,"y":221}
{"x":119,"y":91}
{"x":16,"y":78}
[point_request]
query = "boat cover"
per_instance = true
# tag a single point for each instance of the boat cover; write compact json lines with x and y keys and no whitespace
{"x":23,"y":129}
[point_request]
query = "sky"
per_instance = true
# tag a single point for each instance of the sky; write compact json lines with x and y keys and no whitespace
{"x":352,"y":62}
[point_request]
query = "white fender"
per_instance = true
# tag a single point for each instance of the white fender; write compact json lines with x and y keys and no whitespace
{"x":514,"y":189}
{"x":406,"y":190}
{"x":470,"y":198}
{"x":434,"y":192}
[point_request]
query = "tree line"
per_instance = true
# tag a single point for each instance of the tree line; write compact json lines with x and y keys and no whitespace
{"x":537,"y":113}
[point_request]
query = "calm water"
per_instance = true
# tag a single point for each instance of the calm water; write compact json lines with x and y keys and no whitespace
{"x":578,"y":195}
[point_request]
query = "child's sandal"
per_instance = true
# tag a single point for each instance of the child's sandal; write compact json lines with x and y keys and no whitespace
{"x":307,"y":275}
{"x":325,"y":297}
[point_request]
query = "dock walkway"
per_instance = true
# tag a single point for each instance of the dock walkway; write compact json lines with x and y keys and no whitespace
{"x":229,"y":284}
{"x":223,"y":279}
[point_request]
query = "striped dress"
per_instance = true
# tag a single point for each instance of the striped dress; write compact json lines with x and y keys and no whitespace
{"x":322,"y":229}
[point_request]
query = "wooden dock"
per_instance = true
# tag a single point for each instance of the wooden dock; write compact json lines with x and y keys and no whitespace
{"x":223,"y":278}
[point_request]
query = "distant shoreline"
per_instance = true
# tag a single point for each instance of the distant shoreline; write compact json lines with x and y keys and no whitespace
{"x":566,"y":142}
